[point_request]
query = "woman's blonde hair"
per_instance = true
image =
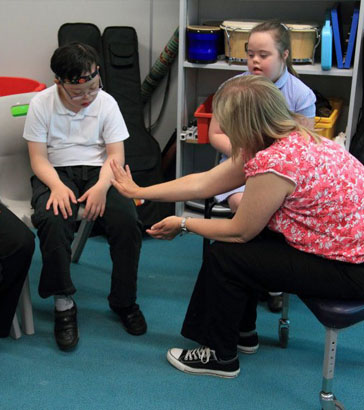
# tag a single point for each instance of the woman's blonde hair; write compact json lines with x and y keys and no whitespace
{"x":253,"y":113}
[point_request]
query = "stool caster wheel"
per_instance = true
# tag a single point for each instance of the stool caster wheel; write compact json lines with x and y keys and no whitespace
{"x":339,"y":405}
{"x":329,"y":402}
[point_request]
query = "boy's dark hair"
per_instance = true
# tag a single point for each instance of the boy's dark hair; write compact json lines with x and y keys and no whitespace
{"x":72,"y":60}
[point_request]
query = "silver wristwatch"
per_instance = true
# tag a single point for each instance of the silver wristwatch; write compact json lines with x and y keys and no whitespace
{"x":183,"y":226}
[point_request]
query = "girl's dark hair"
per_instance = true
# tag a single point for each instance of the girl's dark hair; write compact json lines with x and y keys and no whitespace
{"x":73,"y":60}
{"x":282,"y":39}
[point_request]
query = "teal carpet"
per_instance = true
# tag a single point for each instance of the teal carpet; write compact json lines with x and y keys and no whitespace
{"x":113,"y":370}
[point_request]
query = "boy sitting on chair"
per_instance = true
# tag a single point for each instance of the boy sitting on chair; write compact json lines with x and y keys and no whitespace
{"x":74,"y":129}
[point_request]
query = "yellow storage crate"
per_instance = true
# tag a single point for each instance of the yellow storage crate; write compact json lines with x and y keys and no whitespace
{"x":325,"y":126}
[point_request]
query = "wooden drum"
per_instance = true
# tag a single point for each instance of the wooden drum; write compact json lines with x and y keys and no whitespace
{"x":304,"y":40}
{"x":236,"y":35}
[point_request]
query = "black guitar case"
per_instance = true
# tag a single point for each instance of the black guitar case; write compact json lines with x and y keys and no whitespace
{"x":120,"y":73}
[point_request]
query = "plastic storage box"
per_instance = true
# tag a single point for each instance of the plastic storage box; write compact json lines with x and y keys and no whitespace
{"x":203,"y":115}
{"x":324,"y":126}
{"x":19,"y":85}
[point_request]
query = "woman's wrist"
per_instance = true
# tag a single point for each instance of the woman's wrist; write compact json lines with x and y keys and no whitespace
{"x":183,"y":225}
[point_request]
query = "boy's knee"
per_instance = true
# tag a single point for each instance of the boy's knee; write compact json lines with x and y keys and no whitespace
{"x":122,"y":213}
{"x":47,"y":218}
{"x":127,"y":223}
{"x":54,"y":226}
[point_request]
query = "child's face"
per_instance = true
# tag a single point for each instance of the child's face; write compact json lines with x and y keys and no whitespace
{"x":78,"y":96}
{"x":263,"y":56}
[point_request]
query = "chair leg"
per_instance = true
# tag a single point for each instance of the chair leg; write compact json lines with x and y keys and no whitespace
{"x":80,"y":240}
{"x":283,"y":327}
{"x":26,"y":309}
{"x":327,"y":398}
{"x":15,"y":331}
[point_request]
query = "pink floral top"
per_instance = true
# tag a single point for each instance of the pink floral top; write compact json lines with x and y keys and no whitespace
{"x":325,"y":213}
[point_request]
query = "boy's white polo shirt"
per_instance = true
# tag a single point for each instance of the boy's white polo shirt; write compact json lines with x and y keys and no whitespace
{"x":74,"y":138}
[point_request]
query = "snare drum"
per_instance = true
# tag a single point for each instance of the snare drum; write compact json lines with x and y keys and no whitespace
{"x":202,"y":44}
{"x":236,"y":35}
{"x":304,"y":40}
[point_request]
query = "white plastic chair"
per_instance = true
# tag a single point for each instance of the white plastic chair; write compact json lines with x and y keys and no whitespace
{"x":15,"y":192}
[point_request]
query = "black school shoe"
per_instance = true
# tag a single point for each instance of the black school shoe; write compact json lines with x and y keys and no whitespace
{"x":202,"y":361}
{"x":132,"y":319}
{"x":65,"y":328}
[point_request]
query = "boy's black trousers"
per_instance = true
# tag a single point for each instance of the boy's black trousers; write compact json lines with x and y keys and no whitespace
{"x":120,"y":224}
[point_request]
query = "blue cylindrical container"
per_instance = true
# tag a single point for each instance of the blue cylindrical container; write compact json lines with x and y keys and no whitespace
{"x":202,"y":44}
{"x":326,"y":46}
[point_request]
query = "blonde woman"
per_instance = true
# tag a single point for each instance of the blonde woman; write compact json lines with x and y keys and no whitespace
{"x":298,"y":227}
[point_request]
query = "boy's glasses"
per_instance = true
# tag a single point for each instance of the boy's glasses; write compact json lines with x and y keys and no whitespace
{"x":79,"y":97}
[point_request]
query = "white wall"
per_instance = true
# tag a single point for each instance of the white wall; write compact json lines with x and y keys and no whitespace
{"x":165,"y":22}
{"x":28,"y":37}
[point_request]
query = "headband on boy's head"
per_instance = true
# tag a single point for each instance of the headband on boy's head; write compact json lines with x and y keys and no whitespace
{"x":81,"y":79}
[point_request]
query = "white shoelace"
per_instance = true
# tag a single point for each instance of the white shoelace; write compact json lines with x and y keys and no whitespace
{"x":201,"y":353}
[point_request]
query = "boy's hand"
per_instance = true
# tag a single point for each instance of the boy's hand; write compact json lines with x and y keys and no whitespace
{"x":95,"y":198}
{"x":123,"y":181}
{"x":168,"y":228}
{"x":60,"y":200}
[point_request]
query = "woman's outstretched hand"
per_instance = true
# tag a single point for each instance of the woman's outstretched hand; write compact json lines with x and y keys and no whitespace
{"x":168,"y":228}
{"x":123,"y":181}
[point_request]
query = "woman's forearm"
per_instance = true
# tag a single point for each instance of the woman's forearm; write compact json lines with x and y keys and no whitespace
{"x":216,"y":229}
{"x":181,"y":189}
{"x":202,"y":185}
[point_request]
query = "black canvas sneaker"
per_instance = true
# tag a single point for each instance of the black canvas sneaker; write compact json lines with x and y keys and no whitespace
{"x":248,"y":343}
{"x":202,"y":361}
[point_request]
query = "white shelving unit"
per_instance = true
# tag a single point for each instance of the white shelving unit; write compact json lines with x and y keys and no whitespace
{"x":308,"y":69}
{"x":197,"y":81}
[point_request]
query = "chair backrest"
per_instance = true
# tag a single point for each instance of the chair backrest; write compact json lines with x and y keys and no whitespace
{"x":15,"y":170}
